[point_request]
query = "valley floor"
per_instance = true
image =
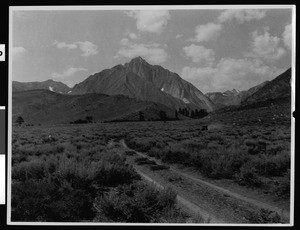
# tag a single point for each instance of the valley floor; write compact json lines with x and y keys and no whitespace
{"x":236,"y":171}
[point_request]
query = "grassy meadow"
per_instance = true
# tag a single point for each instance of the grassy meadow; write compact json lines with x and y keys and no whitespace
{"x":69,"y":173}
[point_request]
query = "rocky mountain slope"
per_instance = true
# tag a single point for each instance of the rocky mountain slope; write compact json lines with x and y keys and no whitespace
{"x":138,"y":79}
{"x":278,"y":88}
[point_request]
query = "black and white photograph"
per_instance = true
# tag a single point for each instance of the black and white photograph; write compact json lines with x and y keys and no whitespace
{"x":151,"y":115}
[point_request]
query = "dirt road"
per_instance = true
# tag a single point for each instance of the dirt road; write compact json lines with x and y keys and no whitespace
{"x":214,"y":203}
{"x":257,"y":203}
{"x":208,"y":217}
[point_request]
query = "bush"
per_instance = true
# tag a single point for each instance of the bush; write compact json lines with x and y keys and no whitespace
{"x":43,"y":200}
{"x":175,"y":154}
{"x":248,"y":176}
{"x":130,"y":153}
{"x":264,"y":216}
{"x":134,"y":203}
{"x":155,"y":152}
{"x":282,"y":188}
{"x":271,"y":166}
{"x":29,"y":170}
{"x":256,"y":146}
{"x":58,"y":188}
{"x":219,"y":163}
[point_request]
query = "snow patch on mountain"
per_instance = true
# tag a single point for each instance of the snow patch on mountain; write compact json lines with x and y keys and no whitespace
{"x":186,"y":101}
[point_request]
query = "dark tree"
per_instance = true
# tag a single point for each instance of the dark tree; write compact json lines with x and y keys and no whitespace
{"x":187,"y":113}
{"x":19,"y":120}
{"x":89,"y":119}
{"x":192,"y":114}
{"x":176,"y":115}
{"x":141,"y":116}
{"x":162,"y":115}
{"x":203,"y":113}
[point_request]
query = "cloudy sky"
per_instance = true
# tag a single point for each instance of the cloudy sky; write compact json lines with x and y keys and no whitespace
{"x":216,"y":50}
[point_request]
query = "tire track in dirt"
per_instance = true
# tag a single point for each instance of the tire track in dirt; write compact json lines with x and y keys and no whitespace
{"x":284,"y":214}
{"x":208,"y":217}
{"x":192,"y":207}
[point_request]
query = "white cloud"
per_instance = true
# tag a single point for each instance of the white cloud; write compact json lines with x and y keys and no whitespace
{"x":207,"y":32}
{"x":242,"y":15}
{"x":63,"y":45}
{"x":178,"y":36}
{"x":152,"y":21}
{"x":125,"y":42}
{"x":153,"y":52}
{"x":87,"y":48}
{"x":199,"y":54}
{"x":230,"y":73}
{"x":67,"y":73}
{"x":287,"y":36}
{"x":266,"y":46}
{"x":133,"y":36}
{"x":18,"y":52}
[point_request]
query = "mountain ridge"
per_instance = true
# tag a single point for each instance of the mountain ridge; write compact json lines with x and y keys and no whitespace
{"x":143,"y":81}
{"x":138,"y":79}
{"x":49,"y":84}
{"x":279,"y":87}
{"x":232,"y":97}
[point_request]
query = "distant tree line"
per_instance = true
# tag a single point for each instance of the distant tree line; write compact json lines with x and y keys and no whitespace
{"x":196,"y":114}
{"x":161,"y":114}
{"x":88,"y":119}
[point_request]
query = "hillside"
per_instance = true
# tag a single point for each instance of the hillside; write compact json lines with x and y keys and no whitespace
{"x":46,"y":107}
{"x":278,"y":88}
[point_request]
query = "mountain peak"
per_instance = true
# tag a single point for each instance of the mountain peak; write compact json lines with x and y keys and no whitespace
{"x":137,"y":63}
{"x":138,"y":59}
{"x":139,"y":79}
{"x":232,"y":92}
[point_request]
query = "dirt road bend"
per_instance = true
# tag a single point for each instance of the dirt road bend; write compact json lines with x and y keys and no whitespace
{"x":183,"y":202}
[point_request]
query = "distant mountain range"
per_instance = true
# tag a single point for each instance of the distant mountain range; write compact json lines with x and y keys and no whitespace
{"x":136,"y":79}
{"x":122,"y":92}
{"x":232,"y":97}
{"x":279,"y":87}
{"x":51,"y":85}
